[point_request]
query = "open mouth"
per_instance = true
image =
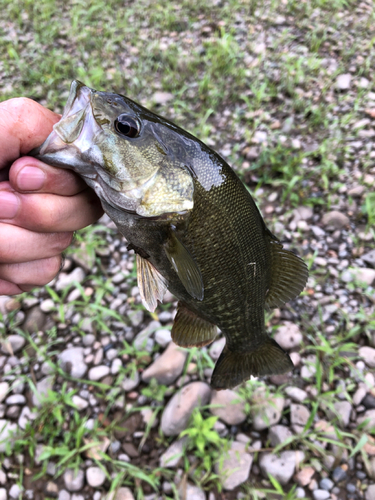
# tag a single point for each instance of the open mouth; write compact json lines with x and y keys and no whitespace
{"x":70,"y":126}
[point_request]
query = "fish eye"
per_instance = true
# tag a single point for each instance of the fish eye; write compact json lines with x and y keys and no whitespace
{"x":128,"y":126}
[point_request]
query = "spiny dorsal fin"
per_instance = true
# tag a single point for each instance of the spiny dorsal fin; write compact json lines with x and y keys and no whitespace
{"x":288,"y":276}
{"x":189,"y":330}
{"x":152,"y":286}
{"x":185,"y":266}
{"x":233,"y":368}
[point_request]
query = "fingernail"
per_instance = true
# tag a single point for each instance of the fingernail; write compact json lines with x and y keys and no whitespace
{"x":30,"y":179}
{"x":9,"y":204}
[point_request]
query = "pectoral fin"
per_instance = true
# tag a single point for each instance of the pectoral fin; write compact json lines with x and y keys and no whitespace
{"x":288,"y":276}
{"x":152,"y":286}
{"x":185,"y":267}
{"x":189,"y":330}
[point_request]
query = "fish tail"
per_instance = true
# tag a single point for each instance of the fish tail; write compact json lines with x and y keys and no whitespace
{"x":232,"y":368}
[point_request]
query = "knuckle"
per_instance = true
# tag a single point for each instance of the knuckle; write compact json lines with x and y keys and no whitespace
{"x":62,"y":240}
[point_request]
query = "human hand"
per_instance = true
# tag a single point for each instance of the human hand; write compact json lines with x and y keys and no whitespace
{"x":40,"y":206}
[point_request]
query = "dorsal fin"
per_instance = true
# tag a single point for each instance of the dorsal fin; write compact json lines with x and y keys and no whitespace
{"x":288,"y":276}
{"x":189,"y":330}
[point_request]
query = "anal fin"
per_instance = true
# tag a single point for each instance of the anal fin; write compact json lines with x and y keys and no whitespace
{"x":232,"y":368}
{"x":189,"y":330}
{"x":289,"y":275}
{"x":152,"y":286}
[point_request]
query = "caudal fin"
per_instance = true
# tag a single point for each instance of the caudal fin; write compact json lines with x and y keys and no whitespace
{"x":233,"y":368}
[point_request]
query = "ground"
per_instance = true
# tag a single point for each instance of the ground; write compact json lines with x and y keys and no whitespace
{"x":285,"y":92}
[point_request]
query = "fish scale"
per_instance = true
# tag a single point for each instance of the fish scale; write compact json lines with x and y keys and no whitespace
{"x":192,"y":223}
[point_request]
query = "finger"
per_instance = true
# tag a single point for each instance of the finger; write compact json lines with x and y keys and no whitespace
{"x":21,"y":245}
{"x":48,"y":212}
{"x":7,"y":288}
{"x":34,"y":273}
{"x":24,"y":125}
{"x":28,"y":174}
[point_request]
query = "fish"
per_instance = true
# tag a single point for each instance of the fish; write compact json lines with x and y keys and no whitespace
{"x":192,"y":223}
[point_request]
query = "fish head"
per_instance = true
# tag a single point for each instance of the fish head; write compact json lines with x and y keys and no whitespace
{"x":119,"y":148}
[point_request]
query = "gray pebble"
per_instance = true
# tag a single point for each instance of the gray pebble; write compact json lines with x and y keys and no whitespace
{"x":15,"y":399}
{"x":88,"y":339}
{"x":326,"y":484}
{"x":95,"y":476}
{"x":15,"y":491}
{"x":163,"y":337}
{"x":3,"y":494}
{"x":339,"y":475}
{"x":74,"y":479}
{"x":98,"y":372}
{"x":16,"y":343}
{"x":321,"y":494}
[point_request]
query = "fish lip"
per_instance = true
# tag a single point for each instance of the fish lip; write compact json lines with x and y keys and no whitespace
{"x":79,"y":93}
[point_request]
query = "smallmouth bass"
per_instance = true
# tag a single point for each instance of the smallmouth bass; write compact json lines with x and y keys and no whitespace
{"x":193,"y":225}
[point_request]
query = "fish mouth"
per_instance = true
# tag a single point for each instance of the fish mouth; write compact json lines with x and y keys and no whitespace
{"x":73,"y":135}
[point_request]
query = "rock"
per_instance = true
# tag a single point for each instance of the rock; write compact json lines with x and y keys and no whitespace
{"x":216,"y":348}
{"x":4,"y":388}
{"x":162,"y":97}
{"x":236,"y":466}
{"x":95,"y":476}
{"x":172,"y":455}
{"x":88,"y":339}
{"x":74,"y":479}
{"x":15,"y":491}
{"x":305,"y":475}
{"x":167,"y":367}
{"x":281,"y":468}
{"x":142,"y":340}
{"x":370,"y":492}
{"x":343,"y":81}
{"x":288,"y":336}
{"x":98,"y":372}
{"x":3,"y":494}
{"x":67,"y":280}
{"x":279,"y":434}
{"x":326,"y":484}
{"x":72,"y":362}
{"x":321,"y":494}
{"x":335,"y":220}
{"x":179,"y":408}
{"x":80,"y":403}
{"x":44,"y":385}
{"x":266,"y":412}
{"x":7,"y":430}
{"x":364,"y":275}
{"x":121,"y":494}
{"x":116,"y":366}
{"x":25,"y":417}
{"x":369,"y":418}
{"x":343,"y":411}
{"x":130,"y":383}
{"x":369,"y":402}
{"x":303,"y":213}
{"x":369,"y":258}
{"x":359,"y":395}
{"x":35,"y":320}
{"x":163,"y":337}
{"x":14,"y":342}
{"x":339,"y":475}
{"x":367,"y":354}
{"x":299,"y":415}
{"x":15,"y":399}
{"x":296,"y":394}
{"x":228,"y":406}
{"x":191,"y":492}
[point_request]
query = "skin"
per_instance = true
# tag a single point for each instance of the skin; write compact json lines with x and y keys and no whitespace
{"x":40,"y":206}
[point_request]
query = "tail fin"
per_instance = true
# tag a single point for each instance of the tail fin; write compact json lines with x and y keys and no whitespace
{"x":232,"y":368}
